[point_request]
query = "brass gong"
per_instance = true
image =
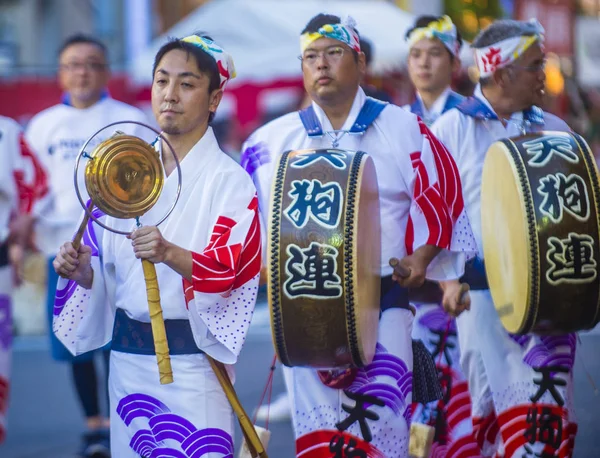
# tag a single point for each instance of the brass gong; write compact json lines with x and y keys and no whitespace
{"x":124,"y":178}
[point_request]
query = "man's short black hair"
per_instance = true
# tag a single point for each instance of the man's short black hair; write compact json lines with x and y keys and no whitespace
{"x":206,"y":63}
{"x":424,"y":21}
{"x":322,"y":19}
{"x":83,"y":38}
{"x":367,"y":48}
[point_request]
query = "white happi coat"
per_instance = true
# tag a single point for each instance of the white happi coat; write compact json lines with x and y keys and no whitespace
{"x":216,"y":217}
{"x":419,"y":189}
{"x":56,"y":135}
{"x":500,"y":368}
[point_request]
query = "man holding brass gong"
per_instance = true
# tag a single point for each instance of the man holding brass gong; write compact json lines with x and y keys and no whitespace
{"x":348,"y":410}
{"x":207,"y":260}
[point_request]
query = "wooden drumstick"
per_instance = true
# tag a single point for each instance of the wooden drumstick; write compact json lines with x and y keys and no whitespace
{"x":252,"y":440}
{"x":82,"y":226}
{"x":463,"y":293}
{"x":399,"y":269}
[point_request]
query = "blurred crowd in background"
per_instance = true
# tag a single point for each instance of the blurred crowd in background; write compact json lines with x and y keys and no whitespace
{"x":261,"y":35}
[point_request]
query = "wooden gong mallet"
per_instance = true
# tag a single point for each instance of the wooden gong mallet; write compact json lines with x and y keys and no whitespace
{"x":124,"y":178}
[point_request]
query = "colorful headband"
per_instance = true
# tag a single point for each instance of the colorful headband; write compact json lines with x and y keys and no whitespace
{"x":442,"y":29}
{"x":345,"y":32}
{"x":224,"y":61}
{"x":505,"y":52}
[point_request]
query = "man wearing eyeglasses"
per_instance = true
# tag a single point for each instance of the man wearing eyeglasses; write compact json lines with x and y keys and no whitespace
{"x":366,"y":412}
{"x":56,"y":135}
{"x":520,"y":407}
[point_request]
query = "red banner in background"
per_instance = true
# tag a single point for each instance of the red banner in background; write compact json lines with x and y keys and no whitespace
{"x":557,"y":17}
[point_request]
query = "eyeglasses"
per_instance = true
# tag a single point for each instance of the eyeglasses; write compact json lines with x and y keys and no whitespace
{"x":333,"y":55}
{"x":531,"y":68}
{"x":89,"y":66}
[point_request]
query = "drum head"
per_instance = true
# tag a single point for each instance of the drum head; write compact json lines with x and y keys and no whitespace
{"x":506,"y":240}
{"x":541,"y":230}
{"x":124,"y":176}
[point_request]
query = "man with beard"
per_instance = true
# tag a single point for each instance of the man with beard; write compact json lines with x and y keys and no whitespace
{"x":56,"y":135}
{"x":207,"y":259}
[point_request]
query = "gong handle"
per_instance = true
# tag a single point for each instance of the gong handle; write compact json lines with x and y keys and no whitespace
{"x":80,"y":231}
{"x":254,"y":443}
{"x":159,"y":334}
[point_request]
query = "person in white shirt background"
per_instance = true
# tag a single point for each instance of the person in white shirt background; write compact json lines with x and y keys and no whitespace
{"x":21,"y":184}
{"x":433,"y":58}
{"x":56,"y":135}
{"x":513,"y":415}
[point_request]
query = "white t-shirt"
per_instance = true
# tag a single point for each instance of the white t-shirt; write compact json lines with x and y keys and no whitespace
{"x":56,"y":135}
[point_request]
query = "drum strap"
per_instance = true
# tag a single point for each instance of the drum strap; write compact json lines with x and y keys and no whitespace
{"x":475,"y":108}
{"x":368,"y":113}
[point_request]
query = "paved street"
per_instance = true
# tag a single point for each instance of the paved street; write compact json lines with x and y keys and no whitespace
{"x":45,"y":421}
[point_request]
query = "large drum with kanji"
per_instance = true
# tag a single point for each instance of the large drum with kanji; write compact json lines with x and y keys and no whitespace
{"x":541,"y":229}
{"x":324,"y":258}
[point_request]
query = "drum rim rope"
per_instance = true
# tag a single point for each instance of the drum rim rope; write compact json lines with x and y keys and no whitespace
{"x":275,"y":299}
{"x":534,"y":292}
{"x":349,"y":276}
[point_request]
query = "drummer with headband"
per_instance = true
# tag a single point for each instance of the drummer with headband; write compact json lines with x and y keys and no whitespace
{"x":207,"y":257}
{"x":434,"y":47}
{"x":503,"y":381}
{"x":418,"y":189}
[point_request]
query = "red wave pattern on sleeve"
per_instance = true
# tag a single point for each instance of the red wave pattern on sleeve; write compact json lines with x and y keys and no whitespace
{"x":440,"y":202}
{"x":447,"y":171}
{"x":434,"y":208}
{"x":30,"y":192}
{"x":250,"y":261}
{"x":222,"y":267}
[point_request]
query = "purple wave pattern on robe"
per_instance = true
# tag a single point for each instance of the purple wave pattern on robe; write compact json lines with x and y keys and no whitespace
{"x":553,"y":351}
{"x":522,"y":340}
{"x":385,"y":364}
{"x":66,"y":288}
{"x":64,"y":292}
{"x":139,"y":405}
{"x":5,"y":322}
{"x":254,"y":156}
{"x":167,"y":426}
{"x":438,"y":320}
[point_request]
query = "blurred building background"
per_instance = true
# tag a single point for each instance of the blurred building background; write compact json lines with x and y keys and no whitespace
{"x":262,"y":36}
{"x":31,"y":32}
